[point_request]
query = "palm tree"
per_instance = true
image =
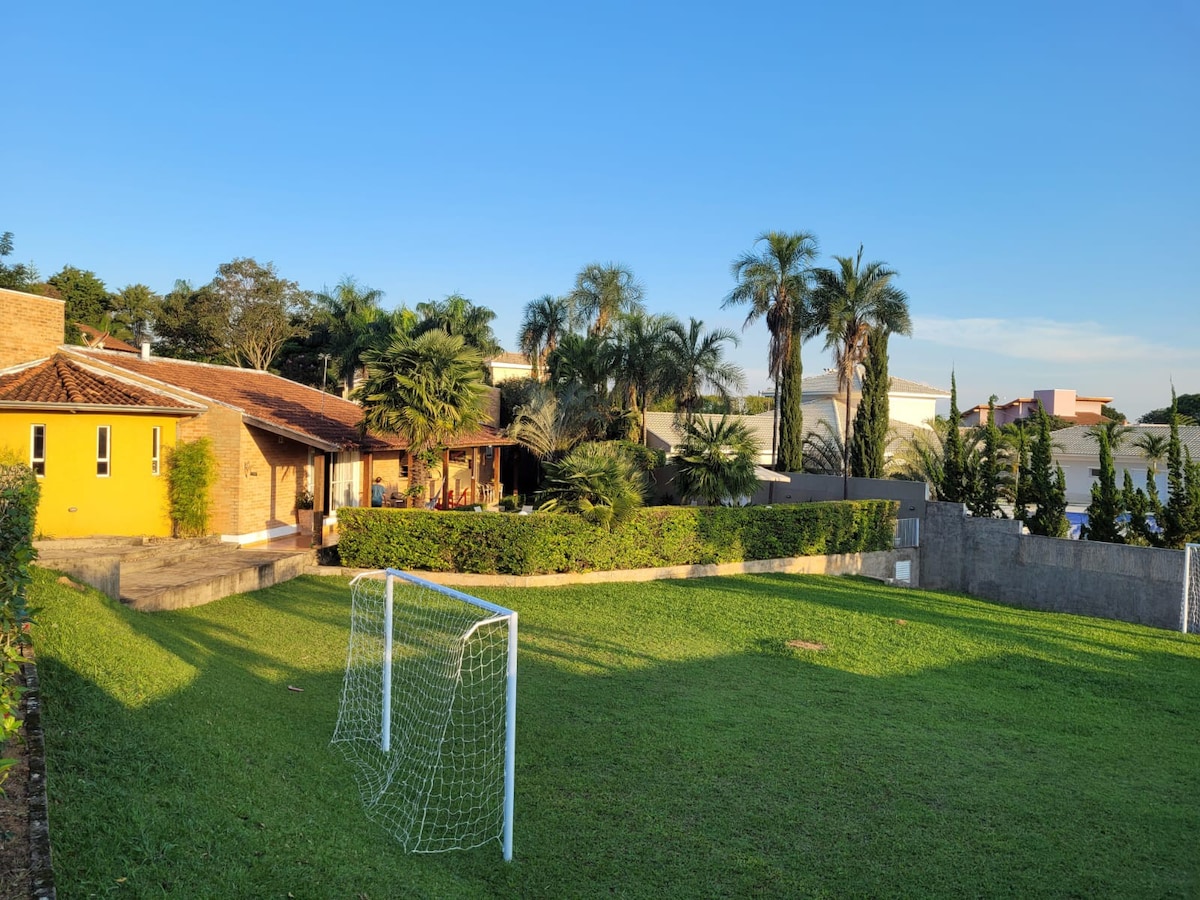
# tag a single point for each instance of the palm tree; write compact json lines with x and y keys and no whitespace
{"x":1116,"y":432}
{"x":1154,"y":448}
{"x":637,"y":358}
{"x":599,"y":481}
{"x":426,"y":389}
{"x":546,"y":320}
{"x":602,"y":292}
{"x":823,"y":452}
{"x":458,"y":315}
{"x":776,"y":283}
{"x":581,"y":360}
{"x":695,"y":360}
{"x":550,"y":424}
{"x":715,"y":463}
{"x":857,"y":304}
{"x":356,"y":322}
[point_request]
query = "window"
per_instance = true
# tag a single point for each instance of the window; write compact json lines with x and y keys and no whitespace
{"x":155,"y":448}
{"x":102,"y":450}
{"x":37,"y":449}
{"x":1095,"y":473}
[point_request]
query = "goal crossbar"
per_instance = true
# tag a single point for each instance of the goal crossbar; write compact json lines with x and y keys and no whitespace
{"x":498,"y":614}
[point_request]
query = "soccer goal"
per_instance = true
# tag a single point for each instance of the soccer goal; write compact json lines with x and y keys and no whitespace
{"x":1191,"y":589}
{"x":428,"y":712}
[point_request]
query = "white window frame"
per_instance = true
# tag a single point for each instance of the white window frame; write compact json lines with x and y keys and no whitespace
{"x":36,"y":462}
{"x":103,"y":459}
{"x":155,"y":450}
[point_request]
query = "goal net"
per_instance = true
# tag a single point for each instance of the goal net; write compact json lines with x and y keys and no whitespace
{"x":428,"y":712}
{"x":1191,"y":589}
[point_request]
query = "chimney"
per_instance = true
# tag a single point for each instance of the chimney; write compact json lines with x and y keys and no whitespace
{"x":145,"y":354}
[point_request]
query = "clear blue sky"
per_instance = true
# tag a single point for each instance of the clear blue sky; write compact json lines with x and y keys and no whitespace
{"x":1030,"y":169}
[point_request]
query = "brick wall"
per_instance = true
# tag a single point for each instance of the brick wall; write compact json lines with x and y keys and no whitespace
{"x":33,"y":330}
{"x":223,"y":427}
{"x":273,"y":472}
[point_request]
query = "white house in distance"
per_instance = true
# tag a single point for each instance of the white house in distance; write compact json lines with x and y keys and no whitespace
{"x":911,"y":406}
{"x":1079,"y":455}
{"x":1066,"y":404}
{"x":507,"y":366}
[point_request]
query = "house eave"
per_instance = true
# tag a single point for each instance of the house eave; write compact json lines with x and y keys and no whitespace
{"x":100,"y":408}
{"x":300,"y":437}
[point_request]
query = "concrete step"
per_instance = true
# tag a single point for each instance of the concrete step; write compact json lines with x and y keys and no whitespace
{"x":206,"y":574}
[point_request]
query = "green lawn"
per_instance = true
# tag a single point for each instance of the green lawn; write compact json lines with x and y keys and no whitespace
{"x":670,"y":743}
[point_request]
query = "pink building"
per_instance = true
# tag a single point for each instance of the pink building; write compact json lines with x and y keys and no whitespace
{"x":1065,"y":404}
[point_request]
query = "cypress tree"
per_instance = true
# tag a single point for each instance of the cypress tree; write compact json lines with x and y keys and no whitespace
{"x":869,"y":439}
{"x":1106,"y":504}
{"x":1047,"y":485}
{"x":1180,"y":518}
{"x":954,"y":474}
{"x":985,"y":499}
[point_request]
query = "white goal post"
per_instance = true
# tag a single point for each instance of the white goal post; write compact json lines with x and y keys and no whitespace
{"x":1190,"y":612}
{"x":428,"y":711}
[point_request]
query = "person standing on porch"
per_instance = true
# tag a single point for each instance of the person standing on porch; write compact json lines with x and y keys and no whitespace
{"x":377,"y":492}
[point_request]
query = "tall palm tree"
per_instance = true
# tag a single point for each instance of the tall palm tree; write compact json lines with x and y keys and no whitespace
{"x":546,"y":320}
{"x":458,"y":315}
{"x":356,"y":322}
{"x":694,"y":360}
{"x":856,"y":304}
{"x":603,"y":291}
{"x":637,"y":359}
{"x":1116,"y":432}
{"x":581,"y":360}
{"x":776,"y":283}
{"x":426,"y":389}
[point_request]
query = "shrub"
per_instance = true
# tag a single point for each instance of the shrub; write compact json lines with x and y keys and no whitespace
{"x":191,"y":470}
{"x":659,"y":536}
{"x":19,"y":493}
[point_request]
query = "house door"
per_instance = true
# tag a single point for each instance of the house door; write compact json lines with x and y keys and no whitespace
{"x":345,"y":487}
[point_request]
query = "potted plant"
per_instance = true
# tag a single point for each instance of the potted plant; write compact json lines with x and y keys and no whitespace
{"x":304,"y":511}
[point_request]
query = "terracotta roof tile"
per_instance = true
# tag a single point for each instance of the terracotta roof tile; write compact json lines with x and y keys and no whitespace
{"x":274,"y":401}
{"x":60,"y":380}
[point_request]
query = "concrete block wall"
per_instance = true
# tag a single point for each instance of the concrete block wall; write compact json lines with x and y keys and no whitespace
{"x":805,"y":488}
{"x":39,"y":333}
{"x":993,"y":560}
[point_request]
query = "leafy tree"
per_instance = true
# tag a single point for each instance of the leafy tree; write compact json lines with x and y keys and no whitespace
{"x":1113,"y":414}
{"x":695,"y":360}
{"x":776,"y":283}
{"x":715,"y":463}
{"x":602,"y":292}
{"x":545,"y":321}
{"x":1047,"y":485}
{"x":87,"y":299}
{"x":1106,"y":506}
{"x":427,"y":389}
{"x":854,"y":304}
{"x":955,"y":487}
{"x":263,"y":311}
{"x":458,"y":315}
{"x":134,"y":311}
{"x":192,"y":323}
{"x":597,"y":481}
{"x":18,"y":276}
{"x":1186,"y":406}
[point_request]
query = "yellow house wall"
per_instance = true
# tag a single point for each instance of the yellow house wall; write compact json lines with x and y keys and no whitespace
{"x":75,"y":501}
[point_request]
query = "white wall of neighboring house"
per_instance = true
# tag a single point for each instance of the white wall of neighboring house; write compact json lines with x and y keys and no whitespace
{"x":1079,"y":478}
{"x":912,"y":408}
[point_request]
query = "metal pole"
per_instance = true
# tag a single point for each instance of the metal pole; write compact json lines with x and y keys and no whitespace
{"x":386,"y":740}
{"x":510,"y":738}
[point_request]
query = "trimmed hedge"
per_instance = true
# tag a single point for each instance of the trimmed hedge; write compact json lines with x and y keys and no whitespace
{"x":539,"y":544}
